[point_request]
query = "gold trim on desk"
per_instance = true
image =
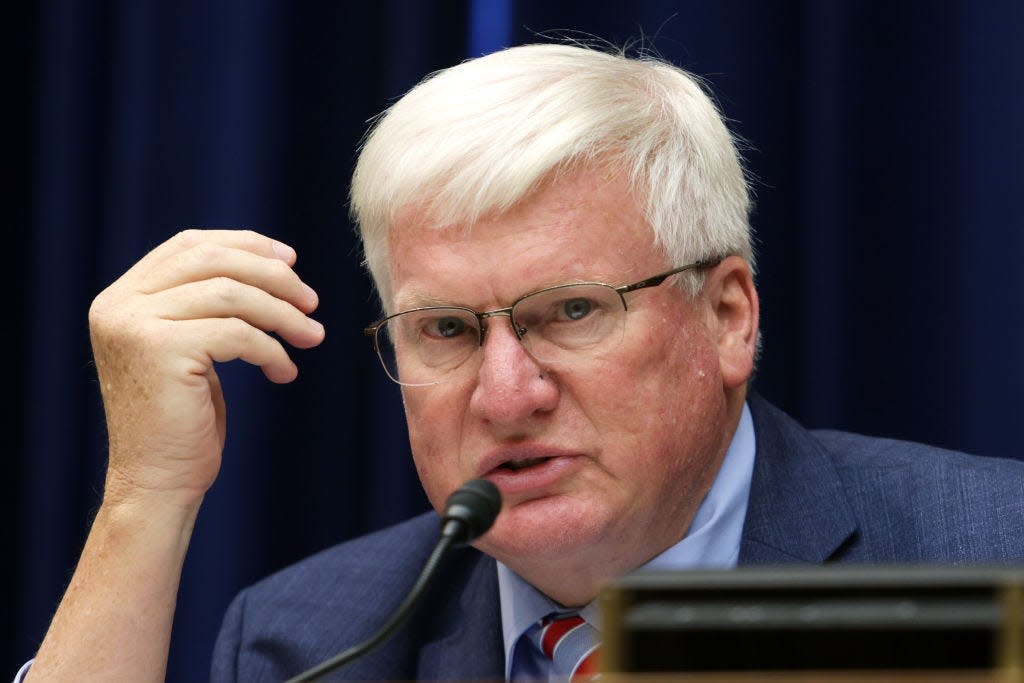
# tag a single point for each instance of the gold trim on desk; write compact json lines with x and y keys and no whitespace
{"x":859,"y":676}
{"x":1010,"y":658}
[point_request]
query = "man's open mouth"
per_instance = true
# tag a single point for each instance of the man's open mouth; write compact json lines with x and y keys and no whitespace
{"x":516,"y":465}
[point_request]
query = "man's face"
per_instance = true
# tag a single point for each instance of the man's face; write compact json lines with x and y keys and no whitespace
{"x":624,"y":445}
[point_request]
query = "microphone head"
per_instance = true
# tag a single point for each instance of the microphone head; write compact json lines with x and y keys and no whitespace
{"x":471,"y":510}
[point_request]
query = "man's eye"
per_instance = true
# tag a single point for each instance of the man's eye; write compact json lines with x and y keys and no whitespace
{"x":447,"y":328}
{"x":576,"y":309}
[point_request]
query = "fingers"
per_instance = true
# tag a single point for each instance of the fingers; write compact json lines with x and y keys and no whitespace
{"x":246,"y":240}
{"x":239,"y":284}
{"x":226,"y":339}
{"x":223,"y":297}
{"x":209,"y":260}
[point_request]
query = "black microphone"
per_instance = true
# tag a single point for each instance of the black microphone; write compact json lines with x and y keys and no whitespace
{"x":468,"y":514}
{"x":470,"y":511}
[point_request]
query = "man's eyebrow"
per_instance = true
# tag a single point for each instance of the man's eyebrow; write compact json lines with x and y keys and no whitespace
{"x":417,"y":299}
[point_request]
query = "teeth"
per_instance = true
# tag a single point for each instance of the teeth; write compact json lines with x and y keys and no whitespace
{"x":520,"y":464}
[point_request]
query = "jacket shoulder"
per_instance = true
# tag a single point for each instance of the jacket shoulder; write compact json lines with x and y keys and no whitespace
{"x":921,"y":503}
{"x":820,"y":496}
{"x":870,"y":463}
{"x":310,"y":611}
{"x":376,"y":560}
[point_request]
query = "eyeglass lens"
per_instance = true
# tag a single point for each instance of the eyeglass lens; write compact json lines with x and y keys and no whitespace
{"x":558,"y":325}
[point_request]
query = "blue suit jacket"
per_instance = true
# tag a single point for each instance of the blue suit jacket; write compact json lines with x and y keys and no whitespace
{"x":815,"y":497}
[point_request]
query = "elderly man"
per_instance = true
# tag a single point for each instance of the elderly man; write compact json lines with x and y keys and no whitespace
{"x":559,"y":238}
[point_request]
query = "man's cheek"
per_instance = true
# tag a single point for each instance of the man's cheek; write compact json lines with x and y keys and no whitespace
{"x":436,"y":456}
{"x":433,"y":478}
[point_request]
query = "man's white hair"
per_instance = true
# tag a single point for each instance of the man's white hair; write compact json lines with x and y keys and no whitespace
{"x":477,"y":138}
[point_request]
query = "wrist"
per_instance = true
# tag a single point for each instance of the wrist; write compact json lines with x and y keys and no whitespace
{"x":129,"y":490}
{"x":132,"y":512}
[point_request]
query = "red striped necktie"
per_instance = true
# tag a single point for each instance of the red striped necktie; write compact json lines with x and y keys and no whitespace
{"x":573,"y":647}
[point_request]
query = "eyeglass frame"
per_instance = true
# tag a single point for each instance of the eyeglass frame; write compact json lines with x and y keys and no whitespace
{"x":653,"y":281}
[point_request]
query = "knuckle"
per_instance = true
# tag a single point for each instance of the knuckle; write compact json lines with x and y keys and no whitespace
{"x":280,"y":270}
{"x":256,"y":242}
{"x":228,"y":291}
{"x":188,"y":237}
{"x":106,"y":311}
{"x":97,"y":310}
{"x":242,"y":331}
{"x":205,"y":254}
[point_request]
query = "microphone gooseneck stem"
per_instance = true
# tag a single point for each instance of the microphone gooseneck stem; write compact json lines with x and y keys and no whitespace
{"x":469,"y":512}
{"x":444,"y":544}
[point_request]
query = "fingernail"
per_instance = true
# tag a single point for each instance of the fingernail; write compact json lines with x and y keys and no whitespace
{"x":315,"y":325}
{"x":283,"y":251}
{"x":310,"y":292}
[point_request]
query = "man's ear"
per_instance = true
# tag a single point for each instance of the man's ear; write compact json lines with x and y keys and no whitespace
{"x":735,"y":314}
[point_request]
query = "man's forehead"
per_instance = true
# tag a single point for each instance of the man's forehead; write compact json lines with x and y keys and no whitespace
{"x":565,"y":189}
{"x":492,"y":277}
{"x":580,"y":226}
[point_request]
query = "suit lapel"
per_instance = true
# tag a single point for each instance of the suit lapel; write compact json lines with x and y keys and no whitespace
{"x":798,"y":511}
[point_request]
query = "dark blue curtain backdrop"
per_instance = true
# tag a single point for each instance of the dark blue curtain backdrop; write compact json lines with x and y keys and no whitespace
{"x":885,"y":145}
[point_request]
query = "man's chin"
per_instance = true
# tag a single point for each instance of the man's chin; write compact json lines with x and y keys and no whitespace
{"x":541,"y":531}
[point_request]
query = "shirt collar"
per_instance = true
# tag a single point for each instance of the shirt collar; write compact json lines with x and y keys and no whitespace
{"x":713,"y":541}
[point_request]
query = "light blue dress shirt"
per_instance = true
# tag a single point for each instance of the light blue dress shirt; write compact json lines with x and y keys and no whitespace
{"x":712,"y":542}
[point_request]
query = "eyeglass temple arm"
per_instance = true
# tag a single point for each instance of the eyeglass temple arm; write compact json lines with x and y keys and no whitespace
{"x":656,"y":280}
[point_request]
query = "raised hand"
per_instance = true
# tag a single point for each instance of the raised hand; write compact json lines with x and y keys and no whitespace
{"x":199,"y":298}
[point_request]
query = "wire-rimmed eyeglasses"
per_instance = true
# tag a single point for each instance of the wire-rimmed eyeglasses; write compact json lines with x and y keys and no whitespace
{"x":424,"y":346}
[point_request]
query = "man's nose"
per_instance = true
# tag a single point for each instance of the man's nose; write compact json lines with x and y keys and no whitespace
{"x":511,"y":385}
